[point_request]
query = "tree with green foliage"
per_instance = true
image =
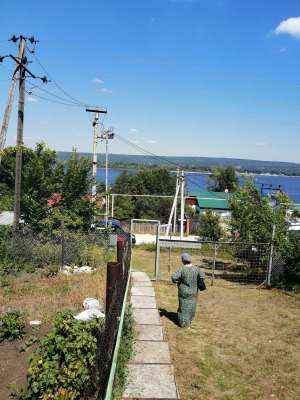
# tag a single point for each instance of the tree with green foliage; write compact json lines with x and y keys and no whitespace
{"x":148,"y":181}
{"x":253,"y":217}
{"x":222,"y":179}
{"x":44,"y":178}
{"x":41,"y":175}
{"x":209,"y":226}
{"x":290,"y":279}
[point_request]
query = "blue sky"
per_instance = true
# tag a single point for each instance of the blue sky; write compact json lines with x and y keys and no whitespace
{"x":179,"y":77}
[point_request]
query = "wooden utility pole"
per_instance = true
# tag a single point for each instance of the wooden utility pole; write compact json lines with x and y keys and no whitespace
{"x":10,"y":98}
{"x":18,"y":172}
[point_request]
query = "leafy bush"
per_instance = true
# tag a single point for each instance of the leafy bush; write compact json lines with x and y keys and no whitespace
{"x":147,"y":246}
{"x":290,"y":279}
{"x":64,"y":366}
{"x":12,"y":326}
{"x":50,"y":271}
{"x":209,"y":226}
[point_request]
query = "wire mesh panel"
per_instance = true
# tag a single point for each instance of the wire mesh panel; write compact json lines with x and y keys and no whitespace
{"x":225,"y":263}
{"x":277,"y":267}
{"x":144,"y":226}
{"x":59,"y":248}
{"x":145,"y":232}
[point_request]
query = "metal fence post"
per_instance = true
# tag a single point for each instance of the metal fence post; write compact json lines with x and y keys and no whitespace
{"x":157,"y":253}
{"x":62,"y":227}
{"x":130,"y":242}
{"x":214,"y":265}
{"x":269,"y":272}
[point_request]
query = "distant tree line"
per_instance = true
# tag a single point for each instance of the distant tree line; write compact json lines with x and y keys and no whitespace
{"x":54,"y":191}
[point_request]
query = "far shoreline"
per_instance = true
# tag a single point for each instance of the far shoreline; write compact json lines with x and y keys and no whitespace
{"x":141,"y":167}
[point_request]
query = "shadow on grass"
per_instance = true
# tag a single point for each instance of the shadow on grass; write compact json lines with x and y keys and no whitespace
{"x":172,"y":316}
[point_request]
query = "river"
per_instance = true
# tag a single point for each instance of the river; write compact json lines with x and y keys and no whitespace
{"x":198,"y":181}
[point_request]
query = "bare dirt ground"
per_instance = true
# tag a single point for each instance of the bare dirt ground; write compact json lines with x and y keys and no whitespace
{"x":40,"y":298}
{"x":244,"y":343}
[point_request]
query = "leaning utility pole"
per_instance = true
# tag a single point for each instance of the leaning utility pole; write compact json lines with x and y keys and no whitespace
{"x":21,"y":62}
{"x":20,"y":126}
{"x":10,"y":98}
{"x":174,"y":207}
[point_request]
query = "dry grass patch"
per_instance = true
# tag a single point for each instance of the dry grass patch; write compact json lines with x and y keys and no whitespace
{"x":244,"y":343}
{"x":41,"y":298}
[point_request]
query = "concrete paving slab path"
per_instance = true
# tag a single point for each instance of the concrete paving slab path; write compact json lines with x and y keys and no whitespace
{"x":149,"y":332}
{"x":142,"y":291}
{"x":151,"y":352}
{"x":143,"y":302}
{"x":150,"y":371}
{"x":141,"y":382}
{"x":142,"y":284}
{"x":149,"y":317}
{"x":140,"y":277}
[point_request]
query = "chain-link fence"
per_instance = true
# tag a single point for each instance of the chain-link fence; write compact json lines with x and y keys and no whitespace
{"x":59,"y":248}
{"x":118,"y":274}
{"x":225,"y":263}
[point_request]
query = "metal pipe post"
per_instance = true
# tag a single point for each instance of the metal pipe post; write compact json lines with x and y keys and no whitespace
{"x":269,"y":273}
{"x":157,"y":253}
{"x":214,"y":265}
{"x":182,"y":206}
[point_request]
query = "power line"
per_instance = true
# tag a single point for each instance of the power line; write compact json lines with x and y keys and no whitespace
{"x":54,"y":81}
{"x":156,"y":157}
{"x":53,"y":94}
{"x":53,"y":101}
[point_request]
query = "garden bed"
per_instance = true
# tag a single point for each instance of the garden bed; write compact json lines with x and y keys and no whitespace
{"x":40,"y":299}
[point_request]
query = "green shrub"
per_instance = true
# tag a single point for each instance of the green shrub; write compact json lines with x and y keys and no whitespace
{"x":50,"y":271}
{"x":147,"y":246}
{"x":12,"y":326}
{"x":290,"y":278}
{"x":64,"y":366}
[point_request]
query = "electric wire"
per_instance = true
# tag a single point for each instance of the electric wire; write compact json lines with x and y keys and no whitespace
{"x":54,"y":81}
{"x":156,"y":157}
{"x":52,"y":100}
{"x":32,"y":87}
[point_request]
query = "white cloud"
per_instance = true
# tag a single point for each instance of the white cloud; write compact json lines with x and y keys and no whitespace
{"x":106,"y":90}
{"x":135,"y":141}
{"x":97,"y":80}
{"x":151,"y":141}
{"x":32,"y":99}
{"x":290,"y":26}
{"x":133,"y":130}
{"x":260,"y":144}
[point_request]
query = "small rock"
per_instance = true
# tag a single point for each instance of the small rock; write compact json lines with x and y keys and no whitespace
{"x":35,"y":322}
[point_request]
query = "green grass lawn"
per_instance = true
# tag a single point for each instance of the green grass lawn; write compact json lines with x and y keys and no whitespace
{"x":244,"y":343}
